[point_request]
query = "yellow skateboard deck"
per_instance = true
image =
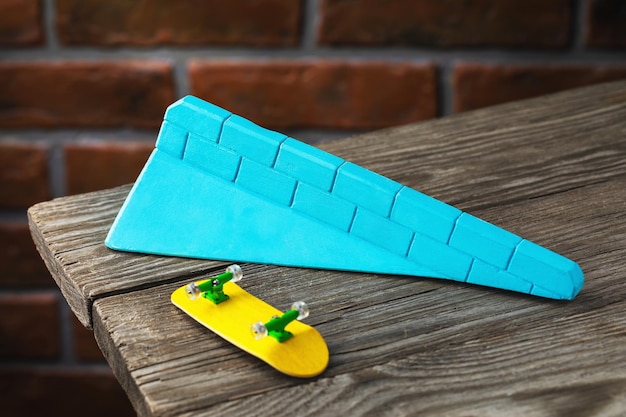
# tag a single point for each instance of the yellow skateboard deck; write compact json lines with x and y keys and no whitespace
{"x":303,"y":355}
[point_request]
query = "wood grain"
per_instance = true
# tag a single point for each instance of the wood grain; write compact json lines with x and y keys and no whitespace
{"x":403,"y":345}
{"x":552,"y":170}
{"x":474,"y":160}
{"x":69,"y":233}
{"x":505,"y":153}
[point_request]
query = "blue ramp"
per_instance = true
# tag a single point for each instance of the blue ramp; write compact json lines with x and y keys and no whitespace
{"x":217,"y":186}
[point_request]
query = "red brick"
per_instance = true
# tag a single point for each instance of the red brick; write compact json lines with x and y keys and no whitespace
{"x":62,"y":393}
{"x":84,"y":94}
{"x":189,"y":22}
{"x":22,"y":267}
{"x":606,"y":23}
{"x":100,"y":165}
{"x":510,"y":23}
{"x":480,"y":85}
{"x":23,"y":174}
{"x":21,"y":22}
{"x":322,"y":94}
{"x":29,"y":326}
{"x":85,"y":347}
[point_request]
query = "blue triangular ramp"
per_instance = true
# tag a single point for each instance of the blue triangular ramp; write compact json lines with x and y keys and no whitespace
{"x":219,"y":187}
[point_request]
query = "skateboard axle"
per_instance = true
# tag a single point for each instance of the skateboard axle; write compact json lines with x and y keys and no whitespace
{"x":213,"y":288}
{"x":276,"y":326}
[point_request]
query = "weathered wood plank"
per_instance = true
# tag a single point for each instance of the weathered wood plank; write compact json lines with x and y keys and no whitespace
{"x":504,"y":153}
{"x":475,"y":160}
{"x":69,"y":233}
{"x":404,"y":346}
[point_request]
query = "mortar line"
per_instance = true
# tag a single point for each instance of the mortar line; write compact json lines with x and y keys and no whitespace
{"x":56,"y":169}
{"x":445,"y":93}
{"x":182,"y":85}
{"x":49,"y":18}
{"x":309,"y":21}
{"x":389,"y":55}
{"x":68,"y":356}
{"x":578,"y":25}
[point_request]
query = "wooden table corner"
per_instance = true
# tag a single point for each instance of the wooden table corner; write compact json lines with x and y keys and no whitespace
{"x":550,"y":169}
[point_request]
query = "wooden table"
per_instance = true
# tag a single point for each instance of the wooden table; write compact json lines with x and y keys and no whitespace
{"x":552,"y":170}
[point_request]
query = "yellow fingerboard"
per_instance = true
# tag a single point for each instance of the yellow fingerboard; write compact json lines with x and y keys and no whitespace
{"x":304,"y":355}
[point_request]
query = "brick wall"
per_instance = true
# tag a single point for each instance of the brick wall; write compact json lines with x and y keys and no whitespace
{"x":84,"y":84}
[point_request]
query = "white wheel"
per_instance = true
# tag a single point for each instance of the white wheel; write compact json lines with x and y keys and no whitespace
{"x":193,"y":291}
{"x":303,"y":309}
{"x":236,"y":271}
{"x":259,"y":331}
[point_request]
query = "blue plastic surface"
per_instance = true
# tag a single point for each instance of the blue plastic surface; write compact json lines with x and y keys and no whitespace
{"x":365,"y":188}
{"x":484,"y":241}
{"x":267,"y":182}
{"x":324,"y":207}
{"x":446,"y":261}
{"x":207,"y":155}
{"x":420,"y":212}
{"x":382,"y":232}
{"x":308,"y":164}
{"x":250,"y":140}
{"x":220,"y":187}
